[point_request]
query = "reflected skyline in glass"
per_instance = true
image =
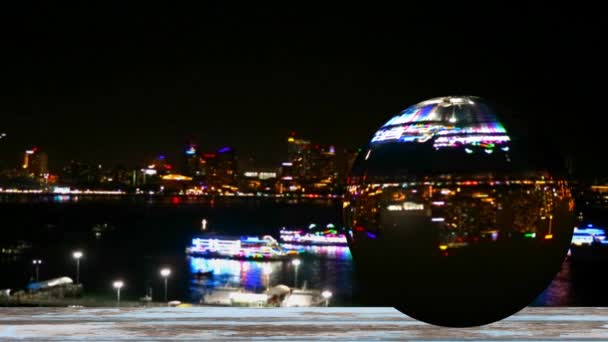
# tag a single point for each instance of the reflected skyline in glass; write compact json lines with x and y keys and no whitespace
{"x":453,"y":219}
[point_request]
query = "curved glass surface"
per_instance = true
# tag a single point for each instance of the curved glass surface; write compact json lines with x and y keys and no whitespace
{"x":453,"y":220}
{"x":450,"y":121}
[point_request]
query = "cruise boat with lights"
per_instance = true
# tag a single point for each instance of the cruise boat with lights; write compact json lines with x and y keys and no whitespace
{"x":239,"y":247}
{"x":588,"y":236}
{"x":589,"y":244}
{"x":328,"y":236}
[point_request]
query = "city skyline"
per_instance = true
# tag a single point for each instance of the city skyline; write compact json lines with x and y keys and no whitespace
{"x":307,"y":168}
{"x":140,"y":81}
{"x":440,"y":158}
{"x":189,"y":148}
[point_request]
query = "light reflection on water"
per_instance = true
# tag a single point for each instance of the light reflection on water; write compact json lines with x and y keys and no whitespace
{"x":321,"y":267}
{"x":227,"y":272}
{"x":560,"y":292}
{"x":332,"y":252}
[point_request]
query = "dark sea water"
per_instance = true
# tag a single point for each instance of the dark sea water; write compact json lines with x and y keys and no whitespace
{"x":146,"y":234}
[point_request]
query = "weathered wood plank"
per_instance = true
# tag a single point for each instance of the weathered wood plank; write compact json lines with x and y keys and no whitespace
{"x":214,"y":323}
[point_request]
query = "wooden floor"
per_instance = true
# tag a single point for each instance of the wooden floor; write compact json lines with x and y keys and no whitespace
{"x":294,"y":324}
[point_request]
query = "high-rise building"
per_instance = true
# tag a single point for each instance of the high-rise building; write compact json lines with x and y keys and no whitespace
{"x":309,"y":167}
{"x":322,"y":164}
{"x":161,"y":165}
{"x":191,"y":161}
{"x":35,"y":162}
{"x":299,"y":154}
{"x":287,"y":181}
{"x":347,"y":158}
{"x":219,"y":168}
{"x":226,"y":166}
{"x":257,"y":180}
{"x":209,"y":168}
{"x":81,"y":173}
{"x":321,"y":176}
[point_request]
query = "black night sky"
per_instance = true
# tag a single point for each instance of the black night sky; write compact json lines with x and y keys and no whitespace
{"x":115,"y":83}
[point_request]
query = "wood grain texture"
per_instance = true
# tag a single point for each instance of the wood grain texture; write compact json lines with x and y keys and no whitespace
{"x":294,"y":324}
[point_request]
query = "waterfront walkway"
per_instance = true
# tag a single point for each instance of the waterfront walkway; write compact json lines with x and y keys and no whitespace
{"x":294,"y":324}
{"x":84,"y":302}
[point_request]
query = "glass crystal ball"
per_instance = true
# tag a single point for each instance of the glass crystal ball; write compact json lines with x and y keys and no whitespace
{"x":454,"y":220}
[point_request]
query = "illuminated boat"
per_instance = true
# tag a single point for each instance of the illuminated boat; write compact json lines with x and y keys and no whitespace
{"x":588,"y":236}
{"x":589,"y":245}
{"x":244,"y":247}
{"x":313,"y":236}
{"x":51,"y":283}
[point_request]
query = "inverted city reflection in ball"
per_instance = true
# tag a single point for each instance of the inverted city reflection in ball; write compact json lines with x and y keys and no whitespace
{"x":454,"y":220}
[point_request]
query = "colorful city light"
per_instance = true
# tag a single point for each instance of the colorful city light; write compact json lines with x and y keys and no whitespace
{"x":447,"y":121}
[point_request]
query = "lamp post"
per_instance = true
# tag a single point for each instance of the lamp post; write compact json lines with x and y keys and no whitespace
{"x":77,"y":255}
{"x":295,"y":263}
{"x":326,"y":294}
{"x":165,"y":272}
{"x":267,"y":270}
{"x":118,"y":285}
{"x":204,"y":224}
{"x":36,"y":263}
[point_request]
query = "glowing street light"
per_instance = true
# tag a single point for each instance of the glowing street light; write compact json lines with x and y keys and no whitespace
{"x":77,"y":255}
{"x":295,"y":263}
{"x":118,"y":285}
{"x":326,"y":295}
{"x":165,"y":273}
{"x":267,"y":270}
{"x":204,"y":224}
{"x":36,"y":263}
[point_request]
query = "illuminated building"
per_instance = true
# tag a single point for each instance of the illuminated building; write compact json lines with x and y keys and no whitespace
{"x":594,"y":197}
{"x":208,"y":167}
{"x":288,"y":179}
{"x":161,"y":165}
{"x":309,"y":168}
{"x":119,"y":176}
{"x":35,"y":162}
{"x":176,"y":177}
{"x":261,"y":175}
{"x":78,"y":173}
{"x":151,"y":176}
{"x":214,"y":169}
{"x":322,"y":173}
{"x":175,"y":183}
{"x":191,"y":161}
{"x":226,"y":171}
{"x":299,"y":154}
{"x":346,"y":159}
{"x":258,"y":180}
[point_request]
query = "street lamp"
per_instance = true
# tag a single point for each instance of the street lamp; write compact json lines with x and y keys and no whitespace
{"x":36,"y":263}
{"x":118,"y":285}
{"x":267,"y":270}
{"x":204,"y":224}
{"x":165,"y":272}
{"x":326,"y":294}
{"x":77,"y":255}
{"x":295,"y":263}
